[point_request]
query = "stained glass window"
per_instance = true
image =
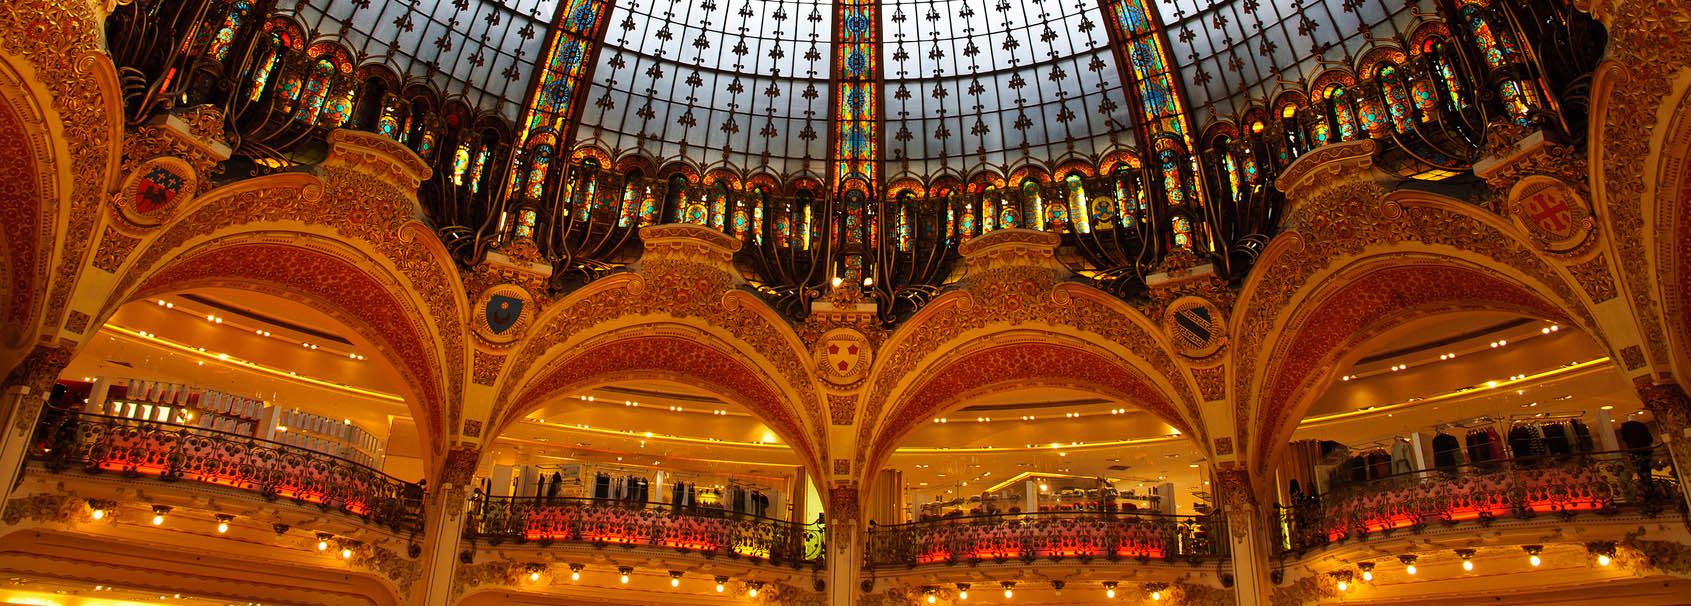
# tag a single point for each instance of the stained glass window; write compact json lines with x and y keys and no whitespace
{"x":1168,"y":163}
{"x":584,"y":196}
{"x":219,"y":48}
{"x":1497,"y":49}
{"x":525,"y":223}
{"x":1232,"y":170}
{"x":574,"y":39}
{"x":477,"y":169}
{"x":630,"y":202}
{"x":460,"y":163}
{"x":1397,"y":99}
{"x":316,"y":91}
{"x":906,"y":236}
{"x":266,"y":66}
{"x":857,"y":128}
{"x":1078,"y":203}
{"x":966,"y":222}
{"x":761,"y":199}
{"x":1342,"y":112}
{"x":1182,"y":231}
{"x":388,"y":122}
{"x":537,"y":170}
{"x":1044,"y":216}
{"x":719,"y":205}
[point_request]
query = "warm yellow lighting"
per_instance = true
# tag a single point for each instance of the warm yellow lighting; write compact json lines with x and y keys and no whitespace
{"x":932,"y":599}
{"x":625,"y":579}
{"x":963,"y":595}
{"x":98,"y":514}
{"x":1343,"y":586}
{"x":1110,"y":593}
{"x":346,"y":553}
{"x":534,"y":576}
{"x":1410,"y":569}
{"x":1367,"y":575}
{"x":1468,"y":565}
{"x":322,"y":546}
{"x":1157,"y":595}
{"x":158,"y":520}
{"x":1534,"y":560}
{"x":752,"y":591}
{"x":575,"y":576}
{"x":1009,"y":594}
{"x":719,"y":588}
{"x":222,"y":527}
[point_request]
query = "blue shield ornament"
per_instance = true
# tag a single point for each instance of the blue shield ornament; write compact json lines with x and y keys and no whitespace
{"x":156,"y":189}
{"x":503,"y":312}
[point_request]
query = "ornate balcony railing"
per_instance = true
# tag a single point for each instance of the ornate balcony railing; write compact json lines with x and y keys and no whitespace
{"x":101,"y":444}
{"x":599,"y":522}
{"x":1605,"y":483}
{"x":1052,"y":535}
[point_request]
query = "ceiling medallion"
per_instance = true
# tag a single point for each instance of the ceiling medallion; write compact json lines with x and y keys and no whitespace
{"x":156,"y":188}
{"x":1196,"y":326}
{"x":502,"y":312}
{"x":1552,"y":212}
{"x":843,"y":356}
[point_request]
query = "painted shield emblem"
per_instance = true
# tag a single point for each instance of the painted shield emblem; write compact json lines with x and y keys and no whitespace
{"x":842,"y":355}
{"x":156,"y":189}
{"x":503,"y":312}
{"x":1550,"y":212}
{"x":1194,"y":326}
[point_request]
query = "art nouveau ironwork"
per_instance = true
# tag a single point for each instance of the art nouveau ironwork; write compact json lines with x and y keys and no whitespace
{"x":1047,"y":535}
{"x":1602,"y":483}
{"x":706,"y":531}
{"x":98,"y":444}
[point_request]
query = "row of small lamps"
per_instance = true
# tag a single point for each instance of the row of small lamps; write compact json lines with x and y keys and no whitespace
{"x":625,"y":572}
{"x":100,"y":510}
{"x":1155,"y":590}
{"x":1604,"y":550}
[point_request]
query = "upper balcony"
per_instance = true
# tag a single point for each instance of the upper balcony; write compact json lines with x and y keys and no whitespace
{"x":704,"y":531}
{"x":168,"y":452}
{"x":1052,"y":535}
{"x":1554,"y":489}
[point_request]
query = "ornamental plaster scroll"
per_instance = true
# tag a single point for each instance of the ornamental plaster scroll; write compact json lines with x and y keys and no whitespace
{"x":59,"y":43}
{"x":1340,"y":212}
{"x":1649,"y":45}
{"x":1015,"y":283}
{"x":686,"y":277}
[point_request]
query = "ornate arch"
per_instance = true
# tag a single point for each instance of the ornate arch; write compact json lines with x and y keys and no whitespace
{"x":687,"y":289}
{"x":1362,"y":300}
{"x":1017,"y":357}
{"x":1013,"y":288}
{"x":330,"y":276}
{"x":1672,"y":236}
{"x":361,"y":210}
{"x":672,"y":352}
{"x":1339,"y":218}
{"x":50,"y":217}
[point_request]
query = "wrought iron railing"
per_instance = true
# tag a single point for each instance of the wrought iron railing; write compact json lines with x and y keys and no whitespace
{"x":170,"y":452}
{"x":1052,"y":535}
{"x":602,"y":522}
{"x":1522,"y":488}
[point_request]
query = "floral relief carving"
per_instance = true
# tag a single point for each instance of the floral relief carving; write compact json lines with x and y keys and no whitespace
{"x":77,"y":322}
{"x":1650,"y":40}
{"x":115,"y":247}
{"x":62,"y":43}
{"x":486,"y":367}
{"x":40,"y":508}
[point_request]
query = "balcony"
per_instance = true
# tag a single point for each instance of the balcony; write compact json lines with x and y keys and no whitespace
{"x":99,"y":444}
{"x":600,"y":523}
{"x":1607,"y":483}
{"x":1054,"y":535}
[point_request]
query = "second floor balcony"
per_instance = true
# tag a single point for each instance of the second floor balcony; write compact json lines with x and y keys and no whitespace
{"x":706,"y":531}
{"x":1639,"y":481}
{"x":1052,"y":535}
{"x":169,"y":452}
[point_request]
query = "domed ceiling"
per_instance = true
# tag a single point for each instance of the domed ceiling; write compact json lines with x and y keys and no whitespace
{"x":964,"y":85}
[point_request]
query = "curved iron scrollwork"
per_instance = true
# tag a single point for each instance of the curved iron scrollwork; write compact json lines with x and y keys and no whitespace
{"x":1052,"y":535}
{"x":1603,"y":483}
{"x":100,"y":444}
{"x":703,"y":530}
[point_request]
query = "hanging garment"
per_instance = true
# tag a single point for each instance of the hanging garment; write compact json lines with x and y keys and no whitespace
{"x":1525,"y":441}
{"x":1447,"y":451}
{"x":1582,"y":436}
{"x":1357,"y":469}
{"x":1636,"y":435}
{"x":1400,"y":457}
{"x":1479,"y":447}
{"x":1556,"y":440}
{"x":1379,"y":464}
